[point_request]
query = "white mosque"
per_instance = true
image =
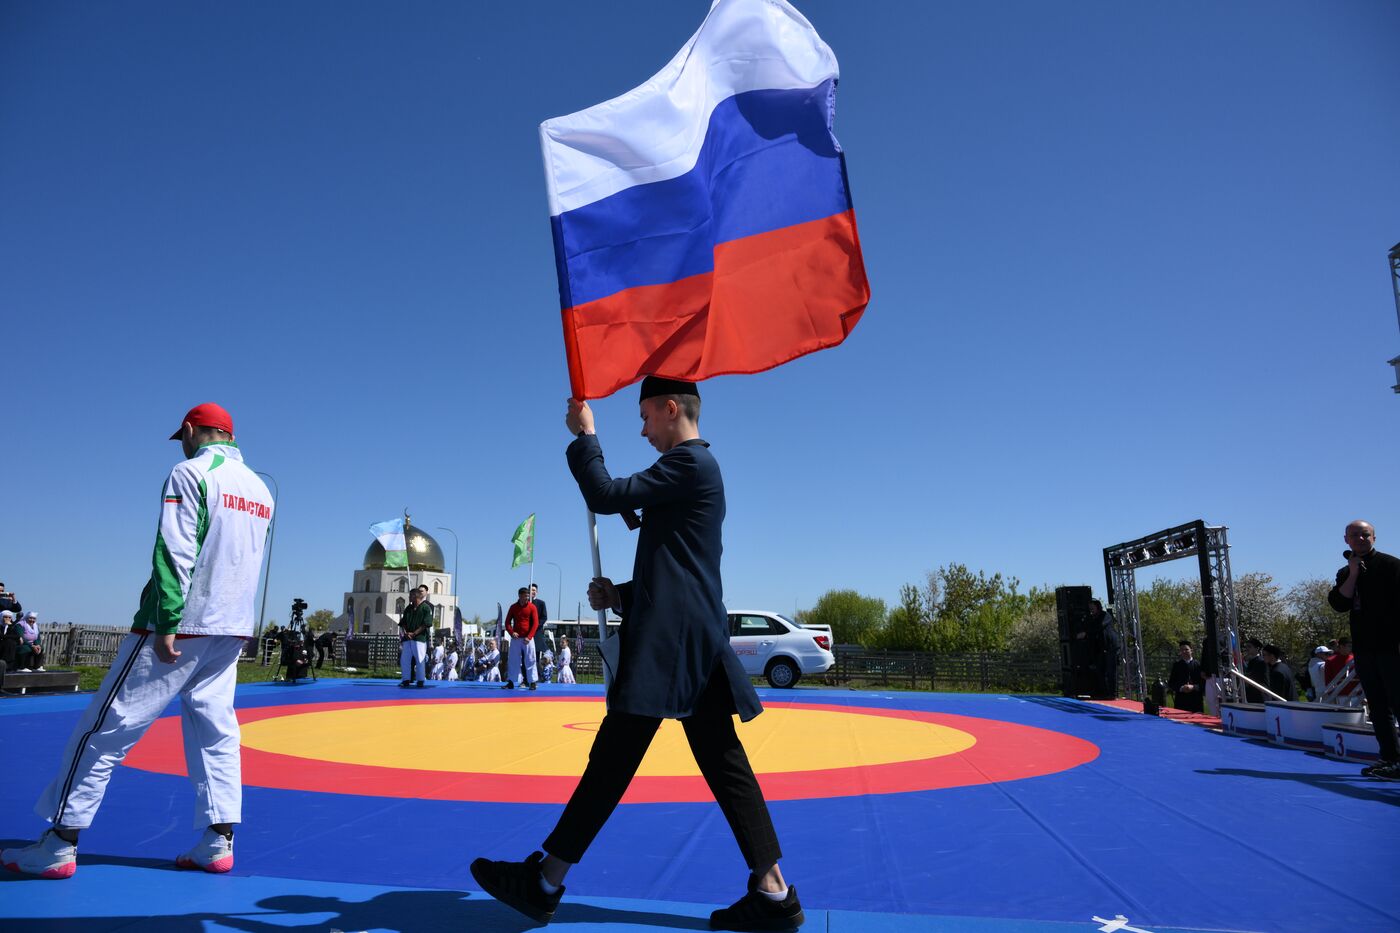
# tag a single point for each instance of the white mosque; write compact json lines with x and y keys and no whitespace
{"x":378,"y":595}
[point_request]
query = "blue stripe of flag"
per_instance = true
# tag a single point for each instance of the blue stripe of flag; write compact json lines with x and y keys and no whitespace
{"x":769,"y":161}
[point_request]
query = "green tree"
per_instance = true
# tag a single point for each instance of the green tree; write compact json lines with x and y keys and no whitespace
{"x":854,"y":618}
{"x":1169,"y":611}
{"x":321,"y":619}
{"x":1307,"y":600}
{"x":907,"y":626}
{"x":1036,"y":634}
{"x":1260,"y":609}
{"x":1310,"y":621}
{"x":972,"y":611}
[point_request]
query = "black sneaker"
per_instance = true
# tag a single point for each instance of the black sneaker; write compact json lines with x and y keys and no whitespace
{"x":532,"y":686}
{"x":517,"y":884}
{"x":1390,"y":771}
{"x":756,"y":911}
{"x":507,"y":686}
{"x":403,"y":683}
{"x":421,"y":685}
{"x":1370,"y":770}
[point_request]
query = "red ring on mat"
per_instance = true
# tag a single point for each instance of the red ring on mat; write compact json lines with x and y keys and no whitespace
{"x":1004,"y":751}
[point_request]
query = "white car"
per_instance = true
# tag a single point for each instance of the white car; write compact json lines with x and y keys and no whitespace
{"x":771,"y":645}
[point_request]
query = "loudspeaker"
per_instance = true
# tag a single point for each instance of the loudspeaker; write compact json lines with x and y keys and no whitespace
{"x":1077,"y":655}
{"x":1072,"y":609}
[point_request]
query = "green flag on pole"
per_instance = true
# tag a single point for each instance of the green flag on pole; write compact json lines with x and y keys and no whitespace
{"x":392,"y":536}
{"x":524,"y":541}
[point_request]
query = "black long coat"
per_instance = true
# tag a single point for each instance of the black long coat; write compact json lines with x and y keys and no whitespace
{"x":1184,"y":672}
{"x":675,"y":631}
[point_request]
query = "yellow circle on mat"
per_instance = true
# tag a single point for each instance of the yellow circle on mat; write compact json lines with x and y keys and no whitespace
{"x":552,"y":738}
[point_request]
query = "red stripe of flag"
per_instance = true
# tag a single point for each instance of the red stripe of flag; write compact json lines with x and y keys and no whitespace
{"x":771,"y":298}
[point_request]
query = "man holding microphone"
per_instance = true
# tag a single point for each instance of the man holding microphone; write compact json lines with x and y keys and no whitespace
{"x":1368,"y":587}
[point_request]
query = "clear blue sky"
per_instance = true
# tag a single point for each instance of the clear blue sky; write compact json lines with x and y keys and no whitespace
{"x":1128,"y":264}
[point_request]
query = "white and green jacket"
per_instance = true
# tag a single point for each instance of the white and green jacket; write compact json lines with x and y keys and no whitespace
{"x":214,"y":518}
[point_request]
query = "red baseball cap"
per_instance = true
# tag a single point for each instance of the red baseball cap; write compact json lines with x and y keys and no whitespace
{"x":208,"y":415}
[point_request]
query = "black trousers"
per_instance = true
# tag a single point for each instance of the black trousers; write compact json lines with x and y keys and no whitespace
{"x":1380,"y":681}
{"x":617,"y":752}
{"x":1193,"y":702}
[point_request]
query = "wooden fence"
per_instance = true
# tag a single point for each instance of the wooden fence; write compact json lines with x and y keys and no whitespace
{"x":68,"y":645}
{"x":984,"y":672}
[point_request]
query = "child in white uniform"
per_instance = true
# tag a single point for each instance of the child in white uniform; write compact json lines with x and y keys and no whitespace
{"x":566,"y":662}
{"x":439,"y":655}
{"x":490,"y":663}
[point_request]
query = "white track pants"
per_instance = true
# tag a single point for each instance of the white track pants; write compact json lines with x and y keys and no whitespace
{"x":137,"y":689}
{"x":522,"y":650}
{"x":409,"y":652}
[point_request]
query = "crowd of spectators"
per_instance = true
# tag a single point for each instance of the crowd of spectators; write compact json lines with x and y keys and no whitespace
{"x":20,"y":645}
{"x":481,"y":660}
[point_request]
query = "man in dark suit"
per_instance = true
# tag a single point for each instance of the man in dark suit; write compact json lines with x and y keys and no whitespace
{"x":1280,"y":674}
{"x":675,"y":662}
{"x":542,"y":643}
{"x":1186,"y":682}
{"x":1104,"y":631}
{"x":1369,"y":588}
{"x":1256,"y":669}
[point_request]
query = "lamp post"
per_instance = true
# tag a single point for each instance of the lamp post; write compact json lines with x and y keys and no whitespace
{"x":455,"y":549}
{"x":559,"y":593}
{"x":267,"y":577}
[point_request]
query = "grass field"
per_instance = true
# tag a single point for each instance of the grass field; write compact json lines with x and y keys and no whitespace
{"x":248,"y":673}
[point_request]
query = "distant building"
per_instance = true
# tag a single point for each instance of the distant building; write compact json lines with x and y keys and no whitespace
{"x":378,"y":595}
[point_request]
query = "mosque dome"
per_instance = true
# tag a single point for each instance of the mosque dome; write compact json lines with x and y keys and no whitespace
{"x":424,"y":553}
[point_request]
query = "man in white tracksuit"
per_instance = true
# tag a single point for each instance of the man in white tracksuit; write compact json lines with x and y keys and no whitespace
{"x":196,"y":613}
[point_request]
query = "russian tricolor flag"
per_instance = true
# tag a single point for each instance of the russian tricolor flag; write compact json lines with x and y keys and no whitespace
{"x":702,"y":221}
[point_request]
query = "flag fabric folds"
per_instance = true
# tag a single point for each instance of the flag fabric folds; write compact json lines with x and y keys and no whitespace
{"x":524,"y":541}
{"x":391,"y":535}
{"x":702,"y":221}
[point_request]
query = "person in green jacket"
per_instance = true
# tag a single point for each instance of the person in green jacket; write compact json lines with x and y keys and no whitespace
{"x":415,"y":629}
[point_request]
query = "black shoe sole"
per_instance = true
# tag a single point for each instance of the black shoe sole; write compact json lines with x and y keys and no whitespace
{"x":776,"y":925}
{"x":489,"y":886}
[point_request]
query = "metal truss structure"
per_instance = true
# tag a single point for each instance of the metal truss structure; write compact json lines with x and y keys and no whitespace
{"x":1220,"y":656}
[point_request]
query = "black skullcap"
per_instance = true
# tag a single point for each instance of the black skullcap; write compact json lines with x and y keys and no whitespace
{"x":652,"y":386}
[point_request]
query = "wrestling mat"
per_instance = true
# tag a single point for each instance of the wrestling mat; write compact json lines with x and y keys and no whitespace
{"x":364,"y":804}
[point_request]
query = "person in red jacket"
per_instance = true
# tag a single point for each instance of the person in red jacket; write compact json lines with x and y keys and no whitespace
{"x":1333,"y":666}
{"x":522,"y":621}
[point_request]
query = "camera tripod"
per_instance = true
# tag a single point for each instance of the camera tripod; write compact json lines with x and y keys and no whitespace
{"x":295,"y":631}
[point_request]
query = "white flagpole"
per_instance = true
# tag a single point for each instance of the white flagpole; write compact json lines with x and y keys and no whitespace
{"x":602,"y":613}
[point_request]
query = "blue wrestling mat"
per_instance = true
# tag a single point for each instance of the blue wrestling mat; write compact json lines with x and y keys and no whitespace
{"x":364,"y":804}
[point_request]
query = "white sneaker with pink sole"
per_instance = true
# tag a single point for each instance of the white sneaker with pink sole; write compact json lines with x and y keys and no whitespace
{"x":50,"y":857}
{"x":212,"y":853}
